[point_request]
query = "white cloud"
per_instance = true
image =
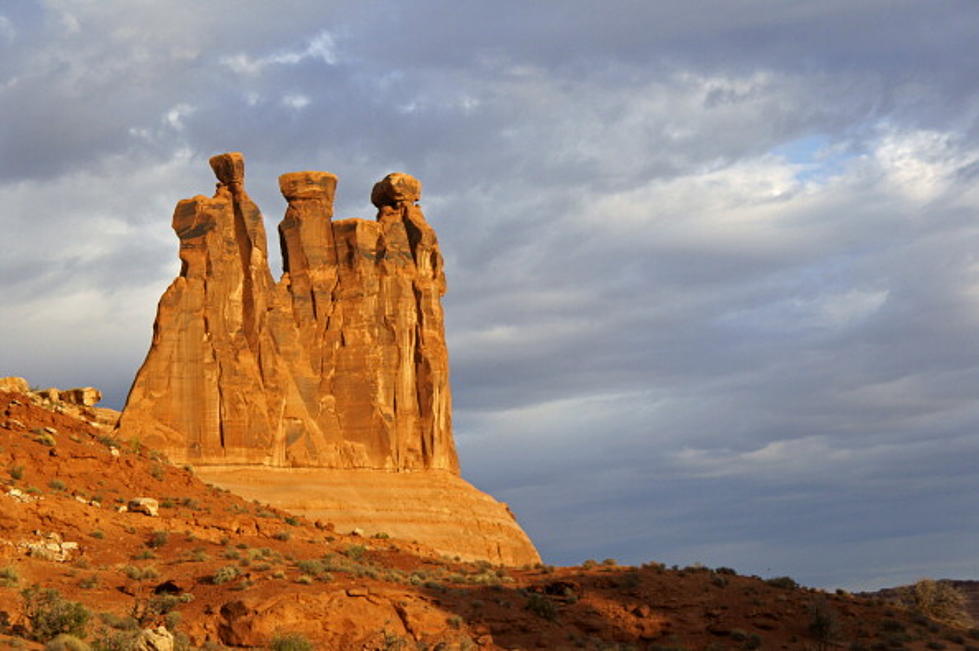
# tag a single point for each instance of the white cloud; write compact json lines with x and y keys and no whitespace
{"x":7,"y":30}
{"x":920,"y":164}
{"x":295,"y":101}
{"x":174,"y":118}
{"x":321,"y":47}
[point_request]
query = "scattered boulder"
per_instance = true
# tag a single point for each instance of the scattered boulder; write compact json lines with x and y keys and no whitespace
{"x":52,"y":550}
{"x":14,"y":385}
{"x":158,"y":639}
{"x":145,"y":505}
{"x":86,"y":396}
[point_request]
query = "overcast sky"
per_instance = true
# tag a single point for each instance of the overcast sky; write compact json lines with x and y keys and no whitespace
{"x":713,"y":266}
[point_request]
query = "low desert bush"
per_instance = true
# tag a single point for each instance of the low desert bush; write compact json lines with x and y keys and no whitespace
{"x":785,"y":582}
{"x":290,"y":642}
{"x":140,"y":573}
{"x":49,"y":614}
{"x":65,"y":642}
{"x":824,"y":623}
{"x":158,"y":539}
{"x":541,"y":606}
{"x":8,"y":577}
{"x":225,"y":574}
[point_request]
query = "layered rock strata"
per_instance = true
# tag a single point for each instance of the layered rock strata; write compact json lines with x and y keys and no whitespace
{"x":340,"y":365}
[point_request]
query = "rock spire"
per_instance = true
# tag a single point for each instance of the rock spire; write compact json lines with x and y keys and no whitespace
{"x":340,"y":364}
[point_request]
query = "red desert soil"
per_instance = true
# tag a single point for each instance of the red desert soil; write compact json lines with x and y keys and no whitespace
{"x":239,"y":573}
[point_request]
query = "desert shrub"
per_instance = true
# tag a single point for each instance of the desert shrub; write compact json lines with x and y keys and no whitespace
{"x":290,"y":520}
{"x":199,"y":555}
{"x":16,"y":472}
{"x":282,"y":535}
{"x":225,"y":574}
{"x":380,"y":535}
{"x":157,"y":472}
{"x":785,"y":582}
{"x":49,"y":614}
{"x":939,"y":601}
{"x":158,"y":539}
{"x":97,"y":534}
{"x":610,"y":562}
{"x":541,"y":606}
{"x":355,"y":552}
{"x":140,"y":573}
{"x":65,"y":642}
{"x":45,"y":439}
{"x":590,"y":563}
{"x":290,"y":642}
{"x":89,"y":582}
{"x":824,"y":622}
{"x":57,"y":485}
{"x":8,"y":577}
{"x":119,"y":622}
{"x":143,"y":555}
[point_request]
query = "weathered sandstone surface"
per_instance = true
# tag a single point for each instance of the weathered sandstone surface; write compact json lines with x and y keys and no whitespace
{"x":78,"y":402}
{"x":340,"y":365}
{"x":437,"y":508}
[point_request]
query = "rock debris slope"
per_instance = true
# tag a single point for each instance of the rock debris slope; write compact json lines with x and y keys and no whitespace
{"x":340,"y":365}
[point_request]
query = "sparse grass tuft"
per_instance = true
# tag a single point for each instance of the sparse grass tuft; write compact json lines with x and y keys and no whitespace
{"x":290,"y":642}
{"x":8,"y":577}
{"x":225,"y":574}
{"x":158,"y":539}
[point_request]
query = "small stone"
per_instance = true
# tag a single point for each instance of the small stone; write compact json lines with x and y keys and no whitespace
{"x":50,"y":430}
{"x":357,"y":532}
{"x":114,"y":452}
{"x":145,"y":505}
{"x":122,"y":508}
{"x":357,"y":592}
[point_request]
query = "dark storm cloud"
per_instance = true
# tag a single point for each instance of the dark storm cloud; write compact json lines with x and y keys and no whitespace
{"x":711,"y":270}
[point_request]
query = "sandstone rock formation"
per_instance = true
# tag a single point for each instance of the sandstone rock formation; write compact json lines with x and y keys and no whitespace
{"x":78,"y":402}
{"x":341,"y":364}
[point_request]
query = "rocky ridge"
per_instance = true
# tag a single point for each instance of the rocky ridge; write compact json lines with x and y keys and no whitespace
{"x":212,"y":571}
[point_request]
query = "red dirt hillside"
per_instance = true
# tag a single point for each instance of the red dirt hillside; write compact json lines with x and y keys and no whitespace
{"x":217,"y":571}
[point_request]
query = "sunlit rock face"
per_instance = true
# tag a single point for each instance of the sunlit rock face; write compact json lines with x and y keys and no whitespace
{"x":341,"y":364}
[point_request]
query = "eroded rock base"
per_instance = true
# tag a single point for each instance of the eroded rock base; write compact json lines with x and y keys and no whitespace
{"x":435,"y":508}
